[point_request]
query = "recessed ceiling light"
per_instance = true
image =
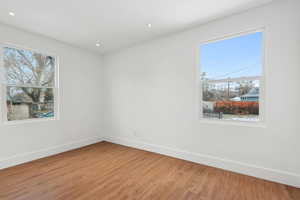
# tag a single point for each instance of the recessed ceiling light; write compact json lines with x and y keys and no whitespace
{"x":11,"y":14}
{"x":149,"y":25}
{"x":97,"y":44}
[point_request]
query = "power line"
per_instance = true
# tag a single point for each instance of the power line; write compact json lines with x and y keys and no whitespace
{"x":234,"y":72}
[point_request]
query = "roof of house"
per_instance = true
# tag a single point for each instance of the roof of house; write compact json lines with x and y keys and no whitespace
{"x":254,"y":92}
{"x":19,"y":98}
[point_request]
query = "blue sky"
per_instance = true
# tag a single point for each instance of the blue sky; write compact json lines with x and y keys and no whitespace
{"x":235,"y":57}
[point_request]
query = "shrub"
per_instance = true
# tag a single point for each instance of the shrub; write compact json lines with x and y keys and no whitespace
{"x":237,"y":107}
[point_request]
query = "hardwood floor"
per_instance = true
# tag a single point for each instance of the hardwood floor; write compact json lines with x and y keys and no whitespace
{"x":110,"y":171}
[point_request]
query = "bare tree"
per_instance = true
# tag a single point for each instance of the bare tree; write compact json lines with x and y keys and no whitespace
{"x":28,"y":76}
{"x":27,"y":68}
{"x":244,"y":87}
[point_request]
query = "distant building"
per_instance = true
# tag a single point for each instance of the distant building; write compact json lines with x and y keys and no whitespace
{"x":252,"y":95}
{"x":18,"y":107}
{"x":236,"y":99}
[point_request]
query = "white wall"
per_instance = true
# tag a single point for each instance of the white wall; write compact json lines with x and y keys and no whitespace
{"x":151,"y":98}
{"x":80,"y":97}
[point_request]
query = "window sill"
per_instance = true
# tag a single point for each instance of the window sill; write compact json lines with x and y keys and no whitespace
{"x":26,"y":121}
{"x":256,"y":124}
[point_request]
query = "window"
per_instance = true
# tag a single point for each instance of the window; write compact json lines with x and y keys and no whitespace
{"x":29,"y":84}
{"x":231,"y":78}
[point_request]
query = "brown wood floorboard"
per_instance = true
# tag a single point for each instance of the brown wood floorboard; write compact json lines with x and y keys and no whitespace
{"x":110,"y":171}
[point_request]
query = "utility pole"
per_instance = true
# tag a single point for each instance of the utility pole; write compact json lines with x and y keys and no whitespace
{"x":228,"y":87}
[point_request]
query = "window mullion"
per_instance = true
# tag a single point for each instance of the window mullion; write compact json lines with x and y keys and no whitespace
{"x":27,"y":86}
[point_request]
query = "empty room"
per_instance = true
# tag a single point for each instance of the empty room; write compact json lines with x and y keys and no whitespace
{"x":150,"y":100}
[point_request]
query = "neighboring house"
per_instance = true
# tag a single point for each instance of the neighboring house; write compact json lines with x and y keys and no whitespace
{"x":236,"y":99}
{"x":252,"y":95}
{"x":208,"y":106}
{"x":18,"y":107}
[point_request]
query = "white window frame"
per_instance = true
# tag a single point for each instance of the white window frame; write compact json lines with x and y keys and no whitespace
{"x":3,"y":85}
{"x":262,"y":119}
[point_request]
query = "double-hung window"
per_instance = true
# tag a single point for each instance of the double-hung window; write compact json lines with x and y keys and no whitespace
{"x":28,"y":85}
{"x":232,"y":78}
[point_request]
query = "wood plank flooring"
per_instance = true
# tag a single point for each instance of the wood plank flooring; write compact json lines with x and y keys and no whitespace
{"x":109,"y":171}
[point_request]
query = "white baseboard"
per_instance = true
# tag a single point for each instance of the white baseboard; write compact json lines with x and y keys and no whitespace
{"x":230,"y":165}
{"x":30,"y":156}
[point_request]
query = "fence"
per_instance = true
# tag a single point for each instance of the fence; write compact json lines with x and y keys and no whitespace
{"x":213,"y":115}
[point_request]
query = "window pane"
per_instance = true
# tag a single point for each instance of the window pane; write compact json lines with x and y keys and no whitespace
{"x":28,"y":103}
{"x":24,"y":67}
{"x":231,"y":72}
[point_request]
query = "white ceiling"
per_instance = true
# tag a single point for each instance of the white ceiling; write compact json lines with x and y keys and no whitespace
{"x":114,"y":23}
